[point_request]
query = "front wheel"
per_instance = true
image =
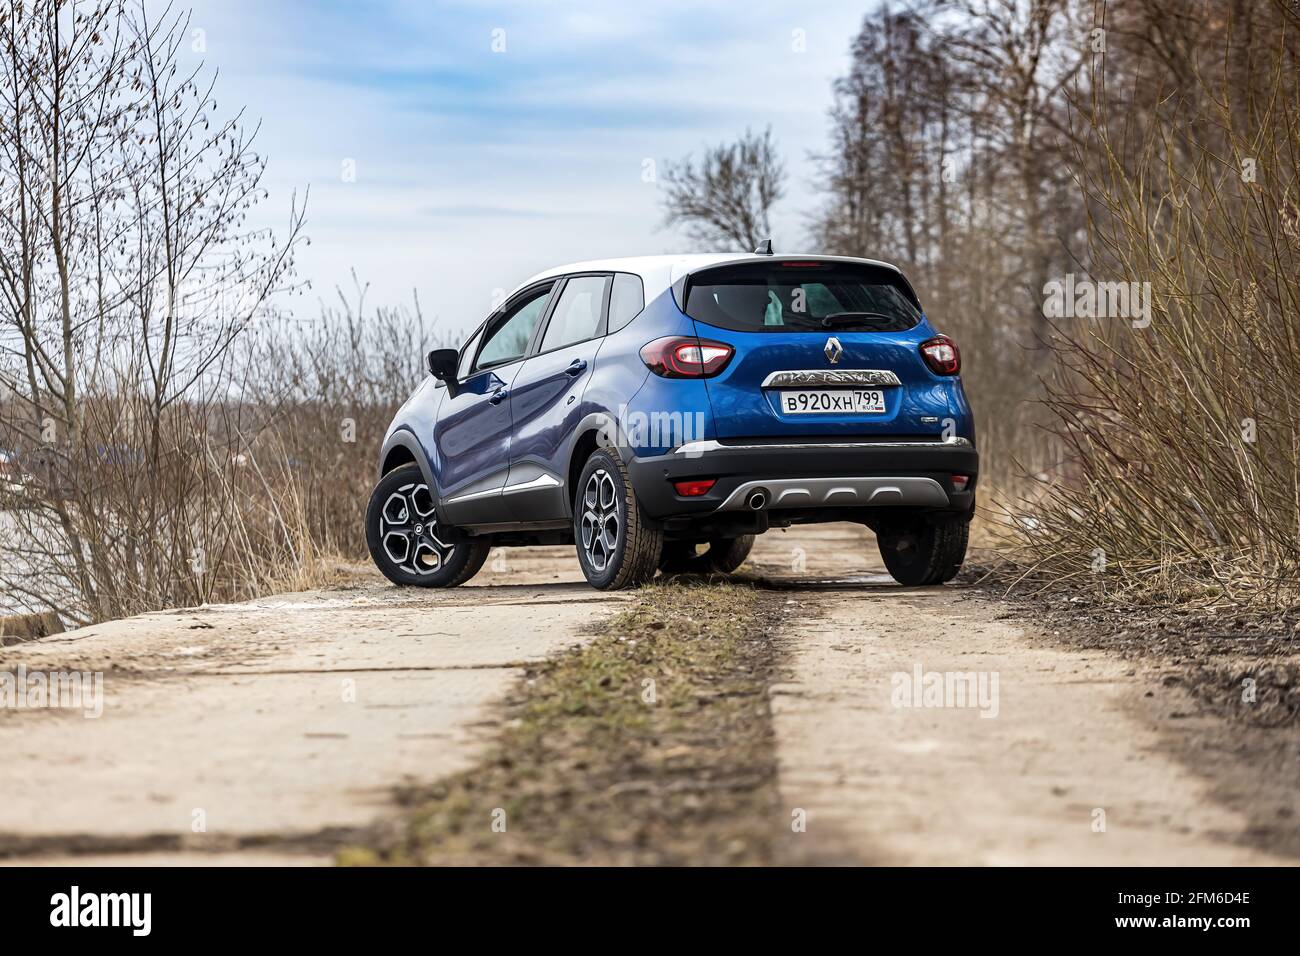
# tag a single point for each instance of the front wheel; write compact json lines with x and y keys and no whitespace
{"x":408,"y":543}
{"x":618,"y":546}
{"x":917,"y":553}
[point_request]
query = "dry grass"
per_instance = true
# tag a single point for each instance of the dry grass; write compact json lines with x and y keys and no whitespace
{"x":256,"y":484}
{"x":1180,"y":480}
{"x":588,"y":770}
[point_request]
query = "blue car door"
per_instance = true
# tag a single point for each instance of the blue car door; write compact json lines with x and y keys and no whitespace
{"x":473,"y":431}
{"x":546,"y":398}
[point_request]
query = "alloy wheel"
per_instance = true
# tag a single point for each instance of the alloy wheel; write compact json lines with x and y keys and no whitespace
{"x":408,"y":531}
{"x":600,"y":519}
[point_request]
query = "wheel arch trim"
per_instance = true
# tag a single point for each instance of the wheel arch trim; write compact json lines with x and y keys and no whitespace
{"x":604,"y":426}
{"x":403,"y":440}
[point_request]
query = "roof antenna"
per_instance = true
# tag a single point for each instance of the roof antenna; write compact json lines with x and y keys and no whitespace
{"x":764,"y":248}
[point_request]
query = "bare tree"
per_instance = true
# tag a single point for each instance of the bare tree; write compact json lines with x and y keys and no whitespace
{"x":127,"y":268}
{"x":1021,"y":59}
{"x":1149,"y":145}
{"x":726,"y":199}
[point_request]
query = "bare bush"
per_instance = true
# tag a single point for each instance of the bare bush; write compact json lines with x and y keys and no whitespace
{"x":127,"y":269}
{"x":318,"y":397}
{"x":1182,"y":474}
{"x":168,"y":437}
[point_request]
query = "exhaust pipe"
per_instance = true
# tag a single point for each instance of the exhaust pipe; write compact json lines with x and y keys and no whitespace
{"x":757,"y":500}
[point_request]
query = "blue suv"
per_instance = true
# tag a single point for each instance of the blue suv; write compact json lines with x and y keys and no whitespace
{"x":660,"y":412}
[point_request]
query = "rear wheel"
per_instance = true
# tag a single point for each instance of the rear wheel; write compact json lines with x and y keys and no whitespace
{"x":918,"y":553}
{"x":408,"y":543}
{"x":722,"y":555}
{"x":618,"y":546}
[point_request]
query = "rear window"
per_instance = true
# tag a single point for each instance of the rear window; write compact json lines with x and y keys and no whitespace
{"x":798,"y":296}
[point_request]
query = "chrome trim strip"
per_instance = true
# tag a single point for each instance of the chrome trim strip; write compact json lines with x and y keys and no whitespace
{"x":710,"y":445}
{"x":472,"y":495}
{"x":811,"y":378}
{"x":839,"y":493}
{"x":541,"y":481}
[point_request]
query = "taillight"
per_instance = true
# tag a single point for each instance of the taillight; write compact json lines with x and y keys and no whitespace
{"x":679,"y":357}
{"x":694,"y":487}
{"x":959,"y":482}
{"x":940,"y":353}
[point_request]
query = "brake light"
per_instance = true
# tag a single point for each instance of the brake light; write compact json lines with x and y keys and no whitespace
{"x":694,"y":488}
{"x":679,"y":357}
{"x":959,"y":482}
{"x":941,"y":355}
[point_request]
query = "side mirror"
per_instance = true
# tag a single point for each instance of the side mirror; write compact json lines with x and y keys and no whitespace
{"x":442,"y":365}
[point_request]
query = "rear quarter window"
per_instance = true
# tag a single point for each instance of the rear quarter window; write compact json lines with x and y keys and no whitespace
{"x":802,"y":296}
{"x":626,"y":300}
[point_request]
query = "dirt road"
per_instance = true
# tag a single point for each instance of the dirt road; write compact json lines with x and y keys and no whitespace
{"x":269,"y":731}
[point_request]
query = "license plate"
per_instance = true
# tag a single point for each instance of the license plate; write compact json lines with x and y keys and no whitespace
{"x":833,"y":401}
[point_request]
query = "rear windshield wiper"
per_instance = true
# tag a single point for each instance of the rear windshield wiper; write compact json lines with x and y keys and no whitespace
{"x":845,"y":318}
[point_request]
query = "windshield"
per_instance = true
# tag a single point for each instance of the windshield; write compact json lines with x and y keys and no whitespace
{"x":802,"y":296}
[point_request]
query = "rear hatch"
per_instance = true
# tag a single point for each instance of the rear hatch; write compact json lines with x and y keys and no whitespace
{"x":822,"y":348}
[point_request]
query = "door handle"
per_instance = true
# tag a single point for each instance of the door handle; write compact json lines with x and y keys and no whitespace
{"x":576,"y":367}
{"x":498,"y":396}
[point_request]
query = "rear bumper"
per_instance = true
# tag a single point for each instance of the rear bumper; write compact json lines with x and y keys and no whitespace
{"x":804,"y":475}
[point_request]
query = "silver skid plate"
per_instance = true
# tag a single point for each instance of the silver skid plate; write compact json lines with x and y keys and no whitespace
{"x":838,"y":492}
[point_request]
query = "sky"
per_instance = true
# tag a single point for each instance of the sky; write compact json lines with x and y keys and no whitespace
{"x":453,"y":149}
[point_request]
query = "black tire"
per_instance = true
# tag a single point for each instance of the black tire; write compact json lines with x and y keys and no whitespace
{"x":722,"y":556}
{"x":618,"y":546}
{"x":401,"y":509}
{"x":919,"y":554}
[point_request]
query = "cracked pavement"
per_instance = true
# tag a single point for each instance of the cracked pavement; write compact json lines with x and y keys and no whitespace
{"x":268,"y":731}
{"x":286,"y":725}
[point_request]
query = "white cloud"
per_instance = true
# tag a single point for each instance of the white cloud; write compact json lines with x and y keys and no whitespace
{"x":476,"y":169}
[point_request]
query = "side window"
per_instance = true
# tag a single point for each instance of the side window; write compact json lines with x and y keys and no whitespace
{"x":625,"y":301}
{"x":510,"y":337}
{"x":577,"y":314}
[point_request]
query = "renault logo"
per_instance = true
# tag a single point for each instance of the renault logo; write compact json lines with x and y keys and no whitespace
{"x":833,"y":350}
